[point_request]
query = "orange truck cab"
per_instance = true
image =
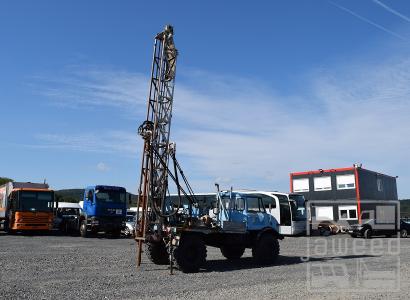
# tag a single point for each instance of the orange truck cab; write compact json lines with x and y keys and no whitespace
{"x":26,"y":206}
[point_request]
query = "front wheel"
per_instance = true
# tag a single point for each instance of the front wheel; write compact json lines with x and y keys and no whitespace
{"x":404,"y":233}
{"x":157,"y":252}
{"x":367,"y":234}
{"x":190,"y":254}
{"x":83,"y":229}
{"x":266,"y":249}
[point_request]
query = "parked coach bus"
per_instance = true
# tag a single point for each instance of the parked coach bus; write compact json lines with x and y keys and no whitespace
{"x":26,"y":206}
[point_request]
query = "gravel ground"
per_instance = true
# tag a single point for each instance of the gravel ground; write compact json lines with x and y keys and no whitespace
{"x":48,"y":267}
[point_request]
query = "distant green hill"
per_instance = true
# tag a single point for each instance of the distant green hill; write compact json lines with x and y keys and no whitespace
{"x":76,"y":195}
{"x":69,"y":195}
{"x":4,"y":180}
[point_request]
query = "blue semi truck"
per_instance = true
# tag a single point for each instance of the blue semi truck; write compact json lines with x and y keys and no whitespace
{"x":104,"y":210}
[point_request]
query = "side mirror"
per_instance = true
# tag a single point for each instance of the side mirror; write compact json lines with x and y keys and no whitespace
{"x":129,"y":199}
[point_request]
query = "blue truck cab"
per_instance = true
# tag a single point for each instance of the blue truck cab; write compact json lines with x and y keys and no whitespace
{"x":245,"y":211}
{"x":104,"y":209}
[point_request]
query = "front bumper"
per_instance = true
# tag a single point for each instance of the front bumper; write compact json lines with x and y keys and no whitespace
{"x":107,"y":224}
{"x":32,"y":226}
{"x":355,"y":230}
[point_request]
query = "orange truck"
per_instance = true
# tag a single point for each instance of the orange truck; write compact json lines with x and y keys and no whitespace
{"x":26,"y":206}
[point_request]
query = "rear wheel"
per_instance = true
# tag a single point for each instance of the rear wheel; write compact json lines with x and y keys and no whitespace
{"x":83,"y":229}
{"x":266,"y":250}
{"x":403,"y":233}
{"x":190,"y":254}
{"x":157,"y":253}
{"x":232,"y":252}
{"x":367,"y":234}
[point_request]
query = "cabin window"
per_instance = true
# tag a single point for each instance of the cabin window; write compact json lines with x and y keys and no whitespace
{"x":301,"y":185}
{"x":239,"y":204}
{"x":345,"y":182}
{"x":322,"y":183}
{"x":254,"y":204}
{"x":268,"y":202}
{"x":348,"y":212}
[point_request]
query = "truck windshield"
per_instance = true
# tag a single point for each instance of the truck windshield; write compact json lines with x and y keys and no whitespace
{"x":108,"y":196}
{"x":36,"y":201}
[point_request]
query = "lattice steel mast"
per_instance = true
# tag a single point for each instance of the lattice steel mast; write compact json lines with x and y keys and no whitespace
{"x":155,"y":131}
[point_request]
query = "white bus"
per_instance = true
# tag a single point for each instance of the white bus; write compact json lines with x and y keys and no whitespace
{"x":288,"y":210}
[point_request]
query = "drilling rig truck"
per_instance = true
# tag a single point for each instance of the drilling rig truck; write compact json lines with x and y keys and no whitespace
{"x":26,"y":206}
{"x":176,"y":230}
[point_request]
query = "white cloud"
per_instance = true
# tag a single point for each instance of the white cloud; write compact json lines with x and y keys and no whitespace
{"x":124,"y":143}
{"x":257,"y":138}
{"x":102,"y":167}
{"x":78,"y":87}
{"x":243,"y":133}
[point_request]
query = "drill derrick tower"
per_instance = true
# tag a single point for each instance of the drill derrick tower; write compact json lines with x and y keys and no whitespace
{"x":158,"y":150}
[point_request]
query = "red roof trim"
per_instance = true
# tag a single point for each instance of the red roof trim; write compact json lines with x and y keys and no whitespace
{"x":322,"y":171}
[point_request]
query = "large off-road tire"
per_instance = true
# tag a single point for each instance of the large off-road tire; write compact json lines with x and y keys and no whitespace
{"x":367,"y":234}
{"x":266,"y":249}
{"x":157,"y":253}
{"x":190,"y":255}
{"x":232,"y":252}
{"x":403,"y":233}
{"x":83,"y":229}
